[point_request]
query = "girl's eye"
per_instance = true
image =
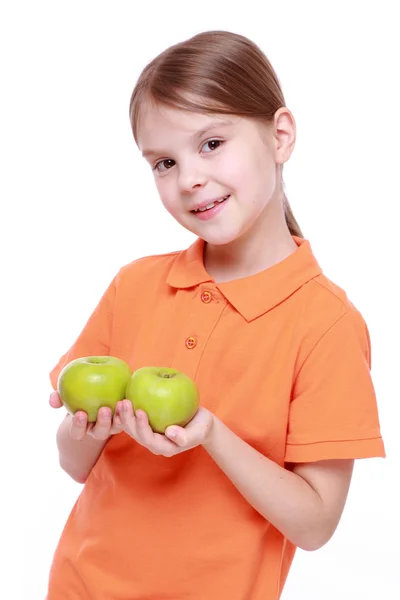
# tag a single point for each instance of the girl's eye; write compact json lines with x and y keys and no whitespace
{"x":212,"y":144}
{"x":164,"y":163}
{"x":168,"y":163}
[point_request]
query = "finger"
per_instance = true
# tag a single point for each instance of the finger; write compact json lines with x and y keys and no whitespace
{"x":137,"y":426}
{"x":101,"y":429}
{"x":155,"y":442}
{"x":116,"y":423}
{"x":117,"y":412}
{"x":78,"y":425}
{"x":145,"y":432}
{"x":55,"y":400}
{"x":128,"y":418}
{"x":178,"y":435}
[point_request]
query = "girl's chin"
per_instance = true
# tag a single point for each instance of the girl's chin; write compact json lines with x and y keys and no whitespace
{"x":219,"y":239}
{"x":215,"y":236}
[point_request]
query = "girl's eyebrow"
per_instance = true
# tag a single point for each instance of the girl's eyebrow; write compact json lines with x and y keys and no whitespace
{"x":210,"y":126}
{"x":197,"y":135}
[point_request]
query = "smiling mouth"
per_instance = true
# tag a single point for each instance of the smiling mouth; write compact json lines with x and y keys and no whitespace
{"x":211,"y":205}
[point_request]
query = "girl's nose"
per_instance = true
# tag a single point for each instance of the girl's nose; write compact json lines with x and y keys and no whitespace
{"x":191,"y":177}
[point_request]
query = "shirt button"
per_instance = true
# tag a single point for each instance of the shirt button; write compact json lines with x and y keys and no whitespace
{"x":190,"y":342}
{"x":206,"y":297}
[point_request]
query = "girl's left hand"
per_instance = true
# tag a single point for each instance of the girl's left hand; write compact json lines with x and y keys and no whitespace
{"x":175,"y":440}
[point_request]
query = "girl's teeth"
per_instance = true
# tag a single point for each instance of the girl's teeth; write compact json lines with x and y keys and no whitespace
{"x":207,"y":207}
{"x":211,"y":205}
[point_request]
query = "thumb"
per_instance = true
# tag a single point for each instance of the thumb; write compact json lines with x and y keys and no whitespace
{"x":55,"y":400}
{"x":177,"y":435}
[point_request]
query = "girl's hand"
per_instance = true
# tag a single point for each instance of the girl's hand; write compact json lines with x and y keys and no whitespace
{"x":176,"y":439}
{"x":102,"y":429}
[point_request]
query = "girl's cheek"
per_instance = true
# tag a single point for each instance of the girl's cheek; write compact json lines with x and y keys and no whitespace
{"x":163,"y":192}
{"x":169,"y":201}
{"x":232,"y":167}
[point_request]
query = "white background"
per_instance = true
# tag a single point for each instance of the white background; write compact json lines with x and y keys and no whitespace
{"x":78,"y":202}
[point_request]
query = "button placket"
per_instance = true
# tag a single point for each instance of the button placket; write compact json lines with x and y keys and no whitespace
{"x":210,"y":297}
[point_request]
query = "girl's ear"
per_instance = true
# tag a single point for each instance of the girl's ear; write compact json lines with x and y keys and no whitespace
{"x":284,"y":133}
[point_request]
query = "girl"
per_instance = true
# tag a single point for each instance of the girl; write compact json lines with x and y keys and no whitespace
{"x":281,"y":357}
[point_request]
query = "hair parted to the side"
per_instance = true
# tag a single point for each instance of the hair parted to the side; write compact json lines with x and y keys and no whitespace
{"x":213,"y":72}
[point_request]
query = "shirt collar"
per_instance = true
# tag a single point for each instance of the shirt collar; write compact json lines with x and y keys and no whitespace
{"x":254,"y":295}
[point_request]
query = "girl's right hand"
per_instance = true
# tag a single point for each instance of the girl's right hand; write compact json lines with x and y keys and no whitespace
{"x":102,"y":429}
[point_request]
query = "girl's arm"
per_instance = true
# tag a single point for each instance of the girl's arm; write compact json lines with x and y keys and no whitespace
{"x":79,"y":443}
{"x":77,"y":456}
{"x":304,"y":503}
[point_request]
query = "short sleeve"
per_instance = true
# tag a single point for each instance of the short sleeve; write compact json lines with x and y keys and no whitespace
{"x":333,"y":412}
{"x":95,"y":338}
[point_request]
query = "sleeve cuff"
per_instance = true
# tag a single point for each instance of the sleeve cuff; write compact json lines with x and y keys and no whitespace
{"x":364,"y":448}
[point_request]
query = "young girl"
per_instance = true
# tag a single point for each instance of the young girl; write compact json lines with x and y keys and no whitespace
{"x":281,"y":357}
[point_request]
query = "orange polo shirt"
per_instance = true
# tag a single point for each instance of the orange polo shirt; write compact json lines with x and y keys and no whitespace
{"x":282,"y":358}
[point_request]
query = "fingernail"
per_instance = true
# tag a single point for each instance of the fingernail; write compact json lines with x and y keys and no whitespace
{"x":172,"y":433}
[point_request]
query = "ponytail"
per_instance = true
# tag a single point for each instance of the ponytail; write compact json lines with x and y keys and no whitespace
{"x":291,"y":222}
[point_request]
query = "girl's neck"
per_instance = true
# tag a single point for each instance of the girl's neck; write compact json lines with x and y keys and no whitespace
{"x":252,"y":253}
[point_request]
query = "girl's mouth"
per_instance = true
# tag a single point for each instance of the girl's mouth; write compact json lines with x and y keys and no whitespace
{"x":211,"y":209}
{"x":210,"y":206}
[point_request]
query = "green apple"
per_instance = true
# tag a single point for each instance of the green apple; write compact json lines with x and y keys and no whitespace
{"x":167,"y":396}
{"x":90,"y":382}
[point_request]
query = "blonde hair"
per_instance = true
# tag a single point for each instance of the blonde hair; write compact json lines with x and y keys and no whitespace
{"x":213,"y":72}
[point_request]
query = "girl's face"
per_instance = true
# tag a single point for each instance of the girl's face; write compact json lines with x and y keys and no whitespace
{"x":226,"y":163}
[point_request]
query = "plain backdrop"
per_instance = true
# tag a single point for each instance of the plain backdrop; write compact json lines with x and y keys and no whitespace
{"x":78,"y":202}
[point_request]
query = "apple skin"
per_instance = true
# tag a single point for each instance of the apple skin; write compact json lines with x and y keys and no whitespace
{"x":166,"y":395}
{"x":91,"y":382}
